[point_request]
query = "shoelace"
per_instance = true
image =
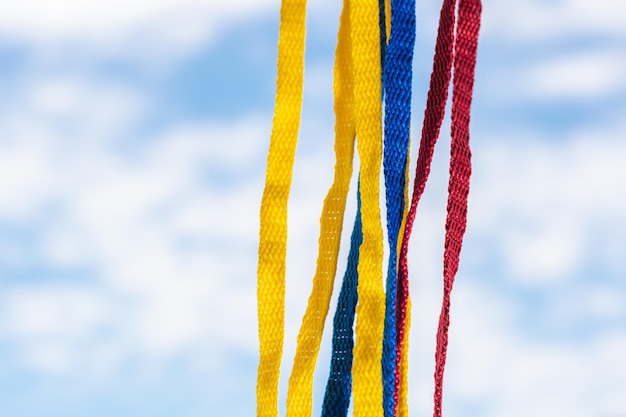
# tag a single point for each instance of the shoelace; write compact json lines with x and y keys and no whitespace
{"x":360,"y":60}
{"x":458,"y":50}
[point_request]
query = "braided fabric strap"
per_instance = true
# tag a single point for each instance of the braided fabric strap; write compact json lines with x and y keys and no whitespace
{"x":370,"y":310}
{"x":433,"y":118}
{"x":383,"y":16}
{"x":300,"y":390}
{"x":273,"y":227}
{"x":460,"y":50}
{"x":397,"y":80}
{"x":339,"y":385}
{"x":403,"y":320}
{"x":460,"y":171}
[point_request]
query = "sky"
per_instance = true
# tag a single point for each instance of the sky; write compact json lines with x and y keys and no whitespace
{"x":133,"y":139}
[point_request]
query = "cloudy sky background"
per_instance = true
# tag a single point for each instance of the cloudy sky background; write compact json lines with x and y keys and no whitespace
{"x":133,"y":138}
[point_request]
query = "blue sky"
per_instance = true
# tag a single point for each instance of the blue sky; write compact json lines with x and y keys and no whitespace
{"x":133,"y":139}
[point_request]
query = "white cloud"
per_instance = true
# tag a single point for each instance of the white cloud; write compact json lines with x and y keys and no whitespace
{"x":596,"y":303}
{"x":546,"y":201}
{"x":26,"y":182}
{"x":538,"y":20}
{"x":155,"y":34}
{"x":500,"y":369}
{"x":582,"y":76}
{"x":50,"y":323}
{"x":545,"y":253}
{"x":164,"y":233}
{"x":52,"y":312}
{"x":90,"y":206}
{"x":105,"y":21}
{"x":47,"y":124}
